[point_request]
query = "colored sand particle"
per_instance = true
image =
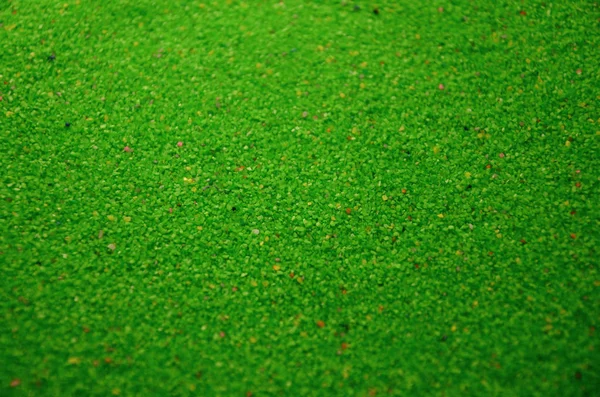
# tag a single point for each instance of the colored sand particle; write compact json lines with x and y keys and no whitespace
{"x":255,"y":231}
{"x":74,"y":360}
{"x":179,"y":144}
{"x":441,"y":87}
{"x":320,"y":324}
{"x":127,"y":149}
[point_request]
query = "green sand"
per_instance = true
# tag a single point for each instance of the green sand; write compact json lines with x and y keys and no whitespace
{"x":400,"y":202}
